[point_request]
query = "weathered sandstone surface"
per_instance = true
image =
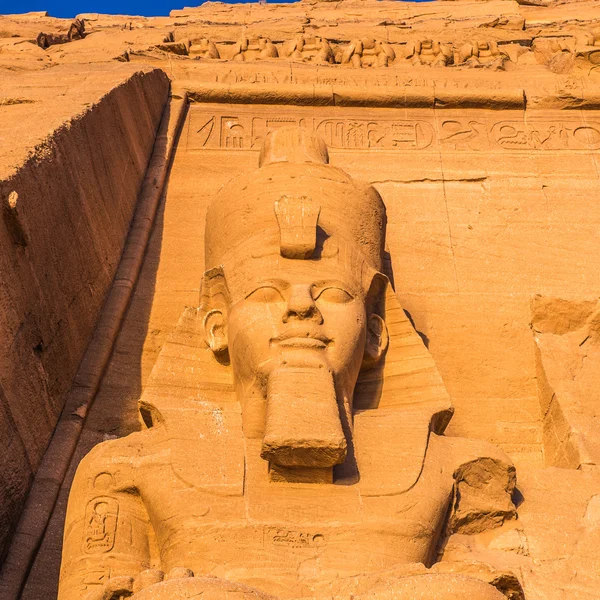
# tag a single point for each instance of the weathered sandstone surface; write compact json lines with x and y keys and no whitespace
{"x":72,"y":161}
{"x":478,"y":124}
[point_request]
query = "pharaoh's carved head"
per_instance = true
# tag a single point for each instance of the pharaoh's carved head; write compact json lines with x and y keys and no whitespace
{"x":293,"y":296}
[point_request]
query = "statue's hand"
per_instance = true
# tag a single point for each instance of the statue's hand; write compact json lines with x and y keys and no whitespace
{"x":121,"y":587}
{"x":115,"y":589}
{"x":184,"y":587}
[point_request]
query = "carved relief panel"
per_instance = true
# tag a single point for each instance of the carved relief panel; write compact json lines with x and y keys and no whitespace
{"x":410,"y":131}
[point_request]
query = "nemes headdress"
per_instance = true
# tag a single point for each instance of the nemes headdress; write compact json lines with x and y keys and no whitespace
{"x":296,"y":205}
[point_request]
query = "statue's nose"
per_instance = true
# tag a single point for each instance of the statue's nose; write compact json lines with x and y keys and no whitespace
{"x":301,"y":305}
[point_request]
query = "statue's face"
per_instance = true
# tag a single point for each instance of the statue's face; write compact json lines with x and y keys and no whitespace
{"x":298,"y":313}
{"x":294,"y":307}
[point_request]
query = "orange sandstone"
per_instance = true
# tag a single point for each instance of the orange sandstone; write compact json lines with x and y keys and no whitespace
{"x":320,"y":323}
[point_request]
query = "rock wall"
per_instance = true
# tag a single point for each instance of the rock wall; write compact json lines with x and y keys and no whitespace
{"x":66,"y":210}
{"x":481,"y":131}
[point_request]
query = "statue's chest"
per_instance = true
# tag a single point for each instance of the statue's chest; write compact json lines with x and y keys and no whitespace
{"x":282,"y":532}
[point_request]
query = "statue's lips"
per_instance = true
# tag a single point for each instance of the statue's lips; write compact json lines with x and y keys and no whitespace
{"x":301,"y":339}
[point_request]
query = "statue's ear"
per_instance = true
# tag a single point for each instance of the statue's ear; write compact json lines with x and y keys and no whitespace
{"x":214,"y":300}
{"x":215,"y":331}
{"x":377,"y":334}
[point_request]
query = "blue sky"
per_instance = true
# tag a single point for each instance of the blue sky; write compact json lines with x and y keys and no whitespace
{"x":69,"y":8}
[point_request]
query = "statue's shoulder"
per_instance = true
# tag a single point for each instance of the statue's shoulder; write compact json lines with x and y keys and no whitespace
{"x":459,"y":451}
{"x":119,"y":456}
{"x":205,"y":450}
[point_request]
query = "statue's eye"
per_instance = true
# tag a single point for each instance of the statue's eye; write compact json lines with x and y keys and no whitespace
{"x":334,"y":295}
{"x":266,"y":293}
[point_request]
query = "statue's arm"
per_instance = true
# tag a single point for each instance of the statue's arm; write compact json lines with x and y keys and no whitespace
{"x":107,"y":530}
{"x":484,"y":481}
{"x":481,"y":509}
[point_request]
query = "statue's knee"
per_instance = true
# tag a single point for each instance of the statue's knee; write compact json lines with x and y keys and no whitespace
{"x":434,"y":587}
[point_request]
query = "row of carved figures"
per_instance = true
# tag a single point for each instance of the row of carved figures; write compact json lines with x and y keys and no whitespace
{"x":364,"y":52}
{"x":367,"y":52}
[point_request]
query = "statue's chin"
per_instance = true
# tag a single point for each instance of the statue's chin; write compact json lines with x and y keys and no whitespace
{"x":207,"y":588}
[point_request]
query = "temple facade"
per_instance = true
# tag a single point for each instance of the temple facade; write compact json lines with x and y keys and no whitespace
{"x":301,"y":301}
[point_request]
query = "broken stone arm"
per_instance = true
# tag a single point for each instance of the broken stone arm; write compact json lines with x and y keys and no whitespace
{"x":484,"y":480}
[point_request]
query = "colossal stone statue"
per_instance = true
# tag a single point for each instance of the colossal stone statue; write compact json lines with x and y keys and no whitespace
{"x":294,"y":423}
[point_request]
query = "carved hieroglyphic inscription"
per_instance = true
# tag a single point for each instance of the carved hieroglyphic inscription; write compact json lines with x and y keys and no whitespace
{"x":248,"y":132}
{"x":100,"y":525}
{"x":96,"y":578}
{"x":547,"y":135}
{"x":364,"y":133}
{"x":281,"y":536}
{"x":246,"y":128}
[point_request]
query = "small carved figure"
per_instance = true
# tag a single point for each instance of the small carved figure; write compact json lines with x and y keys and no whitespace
{"x":428,"y":52}
{"x":588,"y":46}
{"x":558,"y":54}
{"x":518,"y":54}
{"x":204,"y":48}
{"x":181,"y":47}
{"x":367,"y":53}
{"x":589,"y":38}
{"x":76,"y":32}
{"x":255,"y":49}
{"x":309,"y":49}
{"x":481,"y":54}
